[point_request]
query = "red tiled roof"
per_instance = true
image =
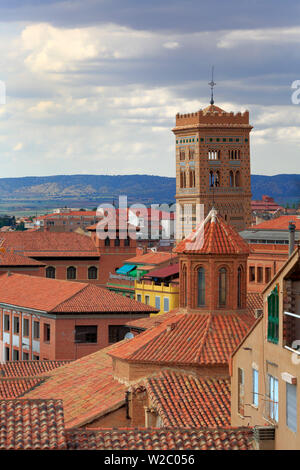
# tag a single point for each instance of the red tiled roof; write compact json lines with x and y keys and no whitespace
{"x":28,"y":368}
{"x":154,"y":258}
{"x":213,"y":236}
{"x":161,"y":439}
{"x":10,"y":259}
{"x":254,"y":302}
{"x":186,"y":401}
{"x":279,"y":223}
{"x":187,"y":338}
{"x":150,"y":322}
{"x":86,"y":387}
{"x":32,"y":424}
{"x":14,"y":388}
{"x":165,"y":272}
{"x":62,"y":254}
{"x":37,"y":241}
{"x":55,"y":295}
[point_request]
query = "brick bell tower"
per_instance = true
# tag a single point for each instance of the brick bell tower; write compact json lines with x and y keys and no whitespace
{"x":213,"y":165}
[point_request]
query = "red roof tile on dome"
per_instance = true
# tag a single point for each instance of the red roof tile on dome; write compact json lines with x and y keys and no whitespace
{"x":32,"y":424}
{"x":185,"y":401}
{"x":187,"y":338}
{"x":161,"y":439}
{"x":213,"y":236}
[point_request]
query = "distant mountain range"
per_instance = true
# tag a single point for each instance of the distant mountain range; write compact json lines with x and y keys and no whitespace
{"x":90,"y":190}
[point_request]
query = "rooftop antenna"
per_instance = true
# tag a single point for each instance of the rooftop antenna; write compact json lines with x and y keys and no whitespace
{"x":212,"y":84}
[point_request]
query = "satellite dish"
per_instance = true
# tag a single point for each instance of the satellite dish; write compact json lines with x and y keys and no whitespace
{"x":129,"y":335}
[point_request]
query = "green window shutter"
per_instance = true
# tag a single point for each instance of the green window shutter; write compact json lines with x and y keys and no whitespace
{"x":273,"y":316}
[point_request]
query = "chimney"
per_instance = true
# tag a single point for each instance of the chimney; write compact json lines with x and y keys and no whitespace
{"x":292,"y":228}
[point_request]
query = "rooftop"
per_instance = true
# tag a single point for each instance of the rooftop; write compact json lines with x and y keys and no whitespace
{"x":186,"y":401}
{"x":213,"y":236}
{"x":57,"y":296}
{"x":279,"y":223}
{"x":11,"y":259}
{"x":154,"y":258}
{"x":15,"y":369}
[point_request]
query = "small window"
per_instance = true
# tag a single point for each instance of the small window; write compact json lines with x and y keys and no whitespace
{"x":273,"y":316}
{"x":26,"y":327}
{"x":36,"y":330}
{"x":6,"y":323}
{"x":86,"y":334}
{"x":16,"y":325}
{"x":117,"y":241}
{"x":92,"y":272}
{"x":6,"y":353}
{"x":117,"y":333}
{"x":222,"y":287}
{"x":46,"y":332}
{"x":107,"y":241}
{"x":291,"y":407}
{"x":50,"y":272}
{"x":259,"y":274}
{"x":241,"y":383}
{"x":147,"y":299}
{"x":273,"y":397}
{"x":166,"y":304}
{"x":268,"y":274}
{"x":36,"y":358}
{"x":201,"y":287}
{"x":71,"y":272}
{"x":15,"y":356}
{"x":251,"y":273}
{"x":139,"y":297}
{"x":255,"y":387}
{"x":157,"y":303}
{"x":127,"y":241}
{"x":25,"y":356}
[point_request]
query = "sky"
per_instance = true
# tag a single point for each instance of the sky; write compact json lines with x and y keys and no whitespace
{"x":93,"y":86}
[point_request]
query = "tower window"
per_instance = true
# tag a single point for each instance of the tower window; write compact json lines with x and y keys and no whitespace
{"x":192,"y":178}
{"x":92,"y":272}
{"x":71,"y":272}
{"x":201,"y":287}
{"x":214,"y":155}
{"x":191,"y":153}
{"x":239,"y":287}
{"x":107,"y":241}
{"x":237,"y":179}
{"x":182,"y":154}
{"x":50,"y":272}
{"x":222,"y":287}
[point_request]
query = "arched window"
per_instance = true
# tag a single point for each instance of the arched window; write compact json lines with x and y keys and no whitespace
{"x":201,"y":287}
{"x":127,"y":241}
{"x":71,"y":272}
{"x":231,"y":179}
{"x":117,"y":241}
{"x":211,"y":179}
{"x":222,"y":287}
{"x":50,"y":272}
{"x":92,"y":272}
{"x":239,"y":287}
{"x":107,"y":241}
{"x":184,"y":285}
{"x":217,"y":178}
{"x":192,"y":178}
{"x":237,"y":179}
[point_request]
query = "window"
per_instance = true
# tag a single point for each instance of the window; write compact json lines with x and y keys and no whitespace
{"x":259,"y":274}
{"x":147,"y":299}
{"x":191,"y":153}
{"x":239,"y":287}
{"x":36,"y":358}
{"x":117,"y":241}
{"x":46,"y":332}
{"x":36,"y":330}
{"x":251,"y":273}
{"x":214,"y":155}
{"x":192,"y":178}
{"x":237,"y":179}
{"x":92,"y":272}
{"x":222,"y":287}
{"x":273,"y":397}
{"x":255,"y":387}
{"x":139,"y":297}
{"x":86,"y":334}
{"x":25,"y":356}
{"x":127,"y":241}
{"x":291,"y":407}
{"x":117,"y":333}
{"x":157,"y":303}
{"x":16,"y":325}
{"x":182,"y":154}
{"x":268,"y":274}
{"x":166,"y":304}
{"x":231,"y":179}
{"x":26,"y":327}
{"x":107,"y":241}
{"x":273,"y":316}
{"x":182,"y":179}
{"x":71,"y":272}
{"x":201,"y":287}
{"x":6,"y":353}
{"x":241,"y":381}
{"x":6,"y":323}
{"x":50,"y":272}
{"x":15,"y":356}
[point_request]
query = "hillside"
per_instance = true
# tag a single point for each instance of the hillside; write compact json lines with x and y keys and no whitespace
{"x":90,"y":190}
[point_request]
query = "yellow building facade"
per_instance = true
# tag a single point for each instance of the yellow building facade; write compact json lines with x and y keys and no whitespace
{"x":159,"y":295}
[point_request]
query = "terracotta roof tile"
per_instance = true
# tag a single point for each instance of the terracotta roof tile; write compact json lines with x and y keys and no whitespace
{"x":170,"y":270}
{"x":11,"y":259}
{"x":37,"y":241}
{"x":213,"y":236}
{"x":32,"y":424}
{"x":28,"y":368}
{"x":187,"y":338}
{"x":55,"y":295}
{"x":186,"y":401}
{"x":279,"y":223}
{"x":154,"y":258}
{"x":14,"y":388}
{"x":161,"y":439}
{"x":86,"y":387}
{"x":254,"y":301}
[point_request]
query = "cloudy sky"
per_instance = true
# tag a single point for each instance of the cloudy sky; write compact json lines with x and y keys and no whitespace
{"x":93,"y":86}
